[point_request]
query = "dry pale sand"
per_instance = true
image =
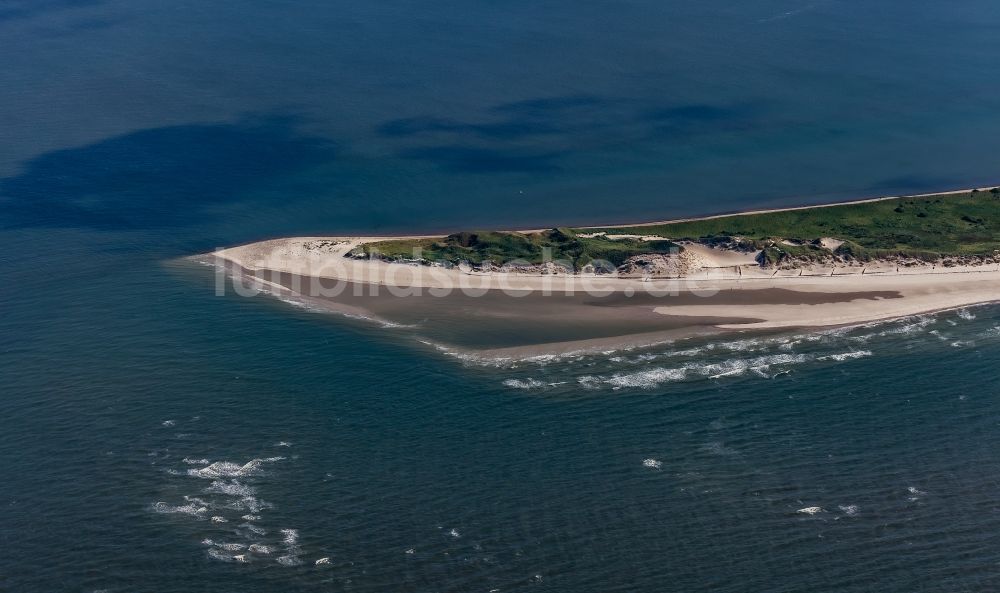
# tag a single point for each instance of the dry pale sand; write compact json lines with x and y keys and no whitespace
{"x":915,"y":290}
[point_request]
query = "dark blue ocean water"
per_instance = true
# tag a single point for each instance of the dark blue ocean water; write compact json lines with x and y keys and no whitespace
{"x":136,"y":406}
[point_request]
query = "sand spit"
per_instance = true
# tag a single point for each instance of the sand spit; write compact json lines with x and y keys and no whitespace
{"x":854,"y":294}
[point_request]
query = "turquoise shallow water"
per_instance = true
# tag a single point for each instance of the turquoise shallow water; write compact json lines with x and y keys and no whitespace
{"x":136,"y":405}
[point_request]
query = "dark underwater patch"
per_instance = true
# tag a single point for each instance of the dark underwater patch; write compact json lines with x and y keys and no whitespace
{"x":11,"y":10}
{"x":157,"y":177}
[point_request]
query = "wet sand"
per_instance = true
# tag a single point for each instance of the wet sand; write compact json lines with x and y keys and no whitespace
{"x":497,"y":325}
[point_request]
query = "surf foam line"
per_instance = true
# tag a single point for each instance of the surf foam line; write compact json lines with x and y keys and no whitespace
{"x":649,"y":352}
{"x":760,"y":366}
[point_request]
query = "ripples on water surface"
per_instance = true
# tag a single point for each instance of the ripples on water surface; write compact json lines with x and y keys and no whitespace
{"x":840,"y":455}
{"x":156,"y":438}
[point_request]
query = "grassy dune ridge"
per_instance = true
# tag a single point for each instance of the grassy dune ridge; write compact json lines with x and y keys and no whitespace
{"x":500,"y":247}
{"x":928,"y":228}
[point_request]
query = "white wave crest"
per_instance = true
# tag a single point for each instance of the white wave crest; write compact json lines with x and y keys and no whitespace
{"x":523,"y":383}
{"x":653,"y":377}
{"x":193,"y":509}
{"x":645,"y":379}
{"x":220,"y":555}
{"x":846,"y":355}
{"x":228,"y":469}
{"x":232,"y":488}
{"x":232,"y":547}
{"x":850,"y":510}
{"x":249,"y":504}
{"x":909,"y":327}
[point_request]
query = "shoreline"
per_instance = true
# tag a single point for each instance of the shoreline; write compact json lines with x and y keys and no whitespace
{"x":432,"y":235}
{"x":420,"y":325}
{"x":950,"y":192}
{"x":722,"y":291}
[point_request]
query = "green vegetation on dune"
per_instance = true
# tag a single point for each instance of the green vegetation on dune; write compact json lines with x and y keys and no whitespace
{"x":496,"y":247}
{"x":952,"y":227}
{"x":925,"y":228}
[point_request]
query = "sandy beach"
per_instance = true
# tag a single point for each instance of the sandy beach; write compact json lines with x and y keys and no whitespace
{"x":511,"y":313}
{"x":722,"y":291}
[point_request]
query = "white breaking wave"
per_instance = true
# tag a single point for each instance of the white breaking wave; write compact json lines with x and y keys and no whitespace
{"x":851,"y":510}
{"x":195,"y":510}
{"x":846,"y":355}
{"x":292,"y":550}
{"x":966,"y":314}
{"x":939,"y":335}
{"x":217,"y":554}
{"x":523,"y":383}
{"x":911,"y":327}
{"x":810,"y":510}
{"x":652,"y":463}
{"x":231,"y":547}
{"x":762,"y":365}
{"x":228,"y":469}
{"x":468,"y":358}
{"x":249,"y":504}
{"x":384,"y":323}
{"x":300,"y":304}
{"x":233,"y":488}
{"x":654,"y":377}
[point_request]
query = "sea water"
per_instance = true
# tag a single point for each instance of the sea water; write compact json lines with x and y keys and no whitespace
{"x":156,"y":437}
